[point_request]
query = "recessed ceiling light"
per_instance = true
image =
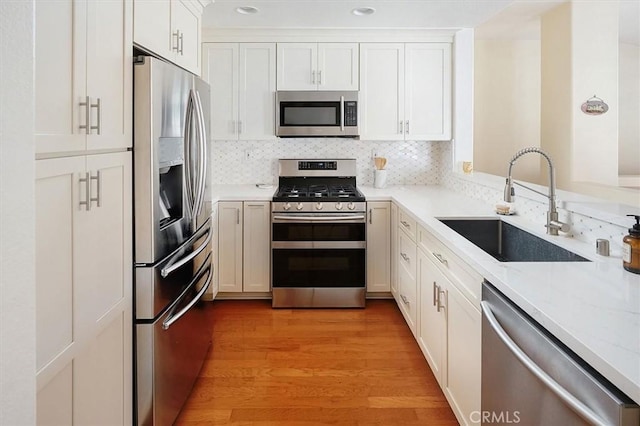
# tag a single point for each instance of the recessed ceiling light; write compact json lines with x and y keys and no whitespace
{"x":363,"y":11}
{"x":247,"y":10}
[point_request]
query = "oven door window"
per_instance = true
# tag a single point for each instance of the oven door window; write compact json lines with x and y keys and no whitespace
{"x":319,"y":232}
{"x":319,"y":267}
{"x":307,"y":114}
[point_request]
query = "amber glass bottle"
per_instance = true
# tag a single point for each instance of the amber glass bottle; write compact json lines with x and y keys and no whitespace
{"x":631,"y":248}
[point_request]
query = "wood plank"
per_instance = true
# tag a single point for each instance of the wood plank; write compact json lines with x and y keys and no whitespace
{"x":314,"y":366}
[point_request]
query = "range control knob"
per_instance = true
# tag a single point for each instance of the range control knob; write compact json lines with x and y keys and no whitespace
{"x":318,"y":206}
{"x":351,"y":206}
{"x":286,"y":206}
{"x":299,"y":206}
{"x":338,"y":206}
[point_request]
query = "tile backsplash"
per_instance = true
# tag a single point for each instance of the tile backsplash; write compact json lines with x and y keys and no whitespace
{"x":583,"y":227}
{"x":408,"y":163}
{"x":248,"y":162}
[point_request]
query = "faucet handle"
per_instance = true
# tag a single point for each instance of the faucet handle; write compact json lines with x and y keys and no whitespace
{"x":560,"y":226}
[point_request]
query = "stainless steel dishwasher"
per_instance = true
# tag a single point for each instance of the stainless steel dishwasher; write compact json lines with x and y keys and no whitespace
{"x":530,"y":378}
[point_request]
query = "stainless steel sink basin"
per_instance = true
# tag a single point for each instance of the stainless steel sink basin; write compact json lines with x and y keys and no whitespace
{"x":508,"y":243}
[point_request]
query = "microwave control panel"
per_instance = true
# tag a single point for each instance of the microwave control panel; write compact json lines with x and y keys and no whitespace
{"x":351,"y":113}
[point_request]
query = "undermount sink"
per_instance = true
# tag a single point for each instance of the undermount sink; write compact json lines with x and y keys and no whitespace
{"x":508,"y":243}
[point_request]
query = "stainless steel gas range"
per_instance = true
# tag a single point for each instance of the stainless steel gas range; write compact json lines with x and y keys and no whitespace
{"x":318,"y":238}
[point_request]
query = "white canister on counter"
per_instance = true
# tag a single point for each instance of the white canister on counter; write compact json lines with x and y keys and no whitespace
{"x":379,"y":178}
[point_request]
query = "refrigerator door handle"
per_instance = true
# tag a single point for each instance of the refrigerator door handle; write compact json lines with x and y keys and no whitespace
{"x":173,"y":317}
{"x":202,"y":154}
{"x":189,"y":172}
{"x":175,"y":264}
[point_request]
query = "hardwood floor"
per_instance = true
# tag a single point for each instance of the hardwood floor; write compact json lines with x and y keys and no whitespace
{"x":321,"y":366}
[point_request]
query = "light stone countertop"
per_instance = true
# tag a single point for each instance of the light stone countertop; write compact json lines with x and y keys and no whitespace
{"x":592,"y":307}
{"x":242,"y":193}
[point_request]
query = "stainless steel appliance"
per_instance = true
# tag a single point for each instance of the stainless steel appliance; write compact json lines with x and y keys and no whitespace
{"x":314,"y":114}
{"x":530,"y":378}
{"x":318,"y":236}
{"x":173,"y":233}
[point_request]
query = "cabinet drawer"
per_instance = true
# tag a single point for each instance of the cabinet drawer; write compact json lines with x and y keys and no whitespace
{"x":407,"y":223}
{"x":407,"y":297}
{"x":468,"y":281}
{"x":407,"y":255}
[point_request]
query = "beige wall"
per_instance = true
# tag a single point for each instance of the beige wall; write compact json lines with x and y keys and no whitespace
{"x":507,"y":107}
{"x":629,"y":117}
{"x":594,"y":39}
{"x":556,"y":113}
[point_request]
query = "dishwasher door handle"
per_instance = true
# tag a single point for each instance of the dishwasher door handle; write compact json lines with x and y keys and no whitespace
{"x":576,"y":405}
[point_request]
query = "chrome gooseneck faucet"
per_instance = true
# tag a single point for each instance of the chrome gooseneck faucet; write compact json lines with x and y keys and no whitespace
{"x":553,"y":224}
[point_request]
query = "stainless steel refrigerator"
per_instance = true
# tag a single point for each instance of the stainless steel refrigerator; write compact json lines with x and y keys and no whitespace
{"x":173,"y":267}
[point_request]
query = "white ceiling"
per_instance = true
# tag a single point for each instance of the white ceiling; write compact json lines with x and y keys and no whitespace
{"x":503,"y":18}
{"x":337,"y":13}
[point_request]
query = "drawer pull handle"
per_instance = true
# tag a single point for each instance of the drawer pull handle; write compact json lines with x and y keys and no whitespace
{"x":435,"y":291}
{"x":405,"y":224}
{"x":404,"y":299}
{"x":405,"y":257}
{"x":441,"y":259}
{"x":440,"y":304}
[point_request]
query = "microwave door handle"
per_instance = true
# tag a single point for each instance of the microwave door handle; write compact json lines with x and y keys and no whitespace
{"x":173,"y":317}
{"x":342,"y":113}
{"x":177,"y":264}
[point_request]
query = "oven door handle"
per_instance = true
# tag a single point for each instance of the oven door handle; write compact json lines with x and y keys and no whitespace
{"x":323,"y":245}
{"x":359,"y":218}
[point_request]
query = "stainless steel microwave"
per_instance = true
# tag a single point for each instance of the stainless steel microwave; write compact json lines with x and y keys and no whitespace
{"x":317,"y":114}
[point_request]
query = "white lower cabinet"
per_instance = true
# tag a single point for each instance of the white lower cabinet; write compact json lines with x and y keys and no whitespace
{"x":394,"y":250}
{"x":214,"y":288}
{"x":230,"y":246}
{"x":464,"y":340}
{"x":256,"y":259}
{"x":378,"y":246}
{"x":244,"y":246}
{"x":407,"y":282}
{"x":84,"y":289}
{"x":432,"y":326}
{"x":438,"y":297}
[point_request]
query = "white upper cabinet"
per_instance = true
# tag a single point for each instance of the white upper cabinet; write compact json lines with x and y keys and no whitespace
{"x":82,"y":75}
{"x":152,"y":26}
{"x":185,"y":35}
{"x":338,"y":66}
{"x":243,"y":83}
{"x":382,"y":94}
{"x":318,"y":66}
{"x":406,"y":91}
{"x":170,"y":29}
{"x":220,"y":70}
{"x":427,"y":91}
